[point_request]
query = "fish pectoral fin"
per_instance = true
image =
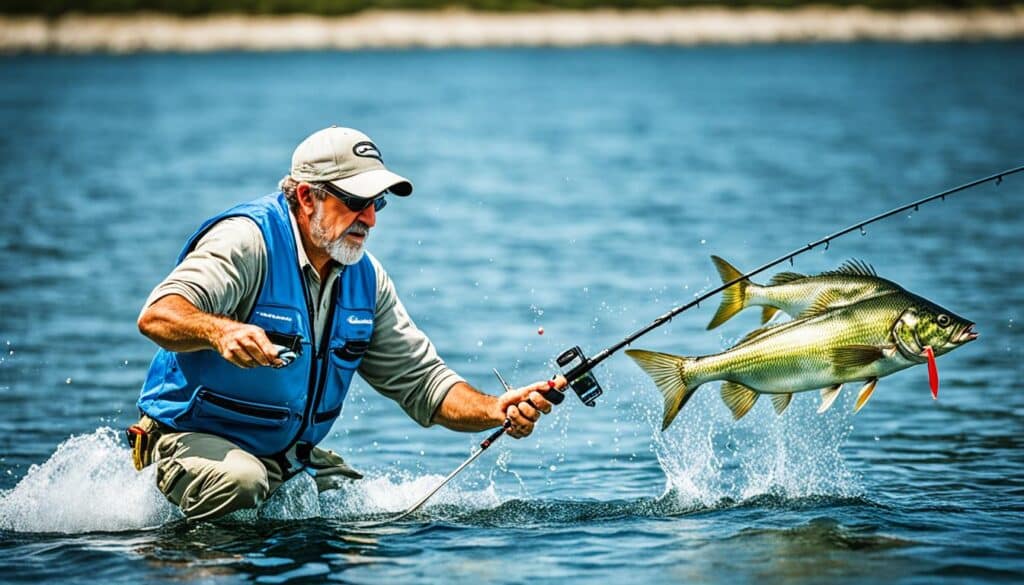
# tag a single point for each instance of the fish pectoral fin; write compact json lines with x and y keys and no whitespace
{"x":767,"y":313}
{"x":738,"y":398}
{"x":828,"y":396}
{"x":856,"y":356}
{"x":864,"y":394}
{"x":781,"y":402}
{"x":827,"y":301}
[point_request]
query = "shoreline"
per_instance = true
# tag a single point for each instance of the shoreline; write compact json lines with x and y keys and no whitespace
{"x":150,"y":32}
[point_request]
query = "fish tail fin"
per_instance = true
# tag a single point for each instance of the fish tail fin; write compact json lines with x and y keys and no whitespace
{"x":669,"y":373}
{"x":734,"y":298}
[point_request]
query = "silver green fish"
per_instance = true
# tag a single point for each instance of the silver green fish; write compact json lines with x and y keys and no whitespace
{"x":863,"y":341}
{"x":796,"y":294}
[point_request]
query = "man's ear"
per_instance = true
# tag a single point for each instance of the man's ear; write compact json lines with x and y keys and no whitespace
{"x":305,"y":197}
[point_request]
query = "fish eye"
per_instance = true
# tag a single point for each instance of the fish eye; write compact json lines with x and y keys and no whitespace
{"x":943,"y":320}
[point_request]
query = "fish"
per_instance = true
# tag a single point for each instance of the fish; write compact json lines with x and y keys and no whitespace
{"x":795,"y":294}
{"x":862,"y":341}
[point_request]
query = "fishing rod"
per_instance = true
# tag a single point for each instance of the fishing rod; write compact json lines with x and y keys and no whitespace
{"x":577,"y":368}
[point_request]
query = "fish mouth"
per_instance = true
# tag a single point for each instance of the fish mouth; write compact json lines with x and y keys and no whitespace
{"x":968,"y":334}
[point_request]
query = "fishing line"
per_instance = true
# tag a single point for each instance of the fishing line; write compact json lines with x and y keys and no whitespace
{"x":589,"y":364}
{"x":577,"y":367}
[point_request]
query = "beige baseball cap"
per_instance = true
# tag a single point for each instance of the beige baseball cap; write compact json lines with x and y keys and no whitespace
{"x":348,"y":159}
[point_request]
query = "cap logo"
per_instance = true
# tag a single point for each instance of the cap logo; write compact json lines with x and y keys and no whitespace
{"x":366,"y":150}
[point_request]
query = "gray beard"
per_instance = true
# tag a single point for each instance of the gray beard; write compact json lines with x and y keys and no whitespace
{"x":342,"y":251}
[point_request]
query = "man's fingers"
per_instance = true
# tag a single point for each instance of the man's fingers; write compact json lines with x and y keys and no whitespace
{"x":540,"y":402}
{"x":521,"y":426}
{"x":528,"y":411}
{"x":247,"y":346}
{"x":255,"y":351}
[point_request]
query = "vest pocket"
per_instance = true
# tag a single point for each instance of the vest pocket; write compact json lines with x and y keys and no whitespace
{"x":349,"y":354}
{"x":209,"y":404}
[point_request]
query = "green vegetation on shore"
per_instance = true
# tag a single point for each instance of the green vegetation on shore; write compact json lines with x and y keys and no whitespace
{"x":340,"y":7}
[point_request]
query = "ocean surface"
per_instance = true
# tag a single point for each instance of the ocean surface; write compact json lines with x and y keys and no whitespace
{"x":581,"y":191}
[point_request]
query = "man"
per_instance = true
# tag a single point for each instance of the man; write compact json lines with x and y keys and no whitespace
{"x":272,"y":308}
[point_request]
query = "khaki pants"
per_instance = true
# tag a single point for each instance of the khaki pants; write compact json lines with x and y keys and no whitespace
{"x":208,"y":476}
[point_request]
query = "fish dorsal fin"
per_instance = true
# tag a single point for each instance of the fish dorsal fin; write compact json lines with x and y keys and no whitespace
{"x":784,"y":277}
{"x":853,"y":267}
{"x":828,"y":396}
{"x":855,"y":356}
{"x":738,"y":398}
{"x":781,"y":402}
{"x":864,"y":394}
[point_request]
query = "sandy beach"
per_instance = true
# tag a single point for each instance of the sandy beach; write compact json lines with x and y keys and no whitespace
{"x":158,"y":32}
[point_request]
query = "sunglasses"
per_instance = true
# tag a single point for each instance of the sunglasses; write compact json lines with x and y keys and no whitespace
{"x":351,"y":201}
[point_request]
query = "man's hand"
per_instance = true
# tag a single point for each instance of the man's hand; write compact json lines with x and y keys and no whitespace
{"x":467,"y":409}
{"x":524,"y":406}
{"x":246,"y":346}
{"x":177,"y":325}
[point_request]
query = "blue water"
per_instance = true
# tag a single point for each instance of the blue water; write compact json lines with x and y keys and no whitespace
{"x":581,"y":191}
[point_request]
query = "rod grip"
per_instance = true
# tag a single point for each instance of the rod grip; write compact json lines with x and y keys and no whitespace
{"x":552,"y":395}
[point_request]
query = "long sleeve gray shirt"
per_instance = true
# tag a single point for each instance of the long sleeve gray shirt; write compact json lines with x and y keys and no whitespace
{"x":222,"y":276}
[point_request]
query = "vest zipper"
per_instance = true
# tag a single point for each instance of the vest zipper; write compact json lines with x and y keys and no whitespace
{"x":316,"y":378}
{"x":322,"y":356}
{"x":311,"y":385}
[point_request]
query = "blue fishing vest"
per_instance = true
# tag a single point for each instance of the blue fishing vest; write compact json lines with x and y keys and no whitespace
{"x":265,"y":410}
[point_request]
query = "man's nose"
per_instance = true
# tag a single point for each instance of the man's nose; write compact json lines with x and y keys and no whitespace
{"x":368,"y":216}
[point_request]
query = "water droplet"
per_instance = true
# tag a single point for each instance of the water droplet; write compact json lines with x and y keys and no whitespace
{"x":703,"y":241}
{"x":552,"y":468}
{"x":480,"y":343}
{"x":68,"y":381}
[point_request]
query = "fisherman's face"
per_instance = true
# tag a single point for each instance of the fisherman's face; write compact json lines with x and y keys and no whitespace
{"x":339,"y":231}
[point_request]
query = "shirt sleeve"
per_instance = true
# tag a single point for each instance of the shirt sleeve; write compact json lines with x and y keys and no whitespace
{"x":401,"y":362}
{"x":223,"y":272}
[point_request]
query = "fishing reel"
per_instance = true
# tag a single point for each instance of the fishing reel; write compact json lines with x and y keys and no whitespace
{"x":584,"y":385}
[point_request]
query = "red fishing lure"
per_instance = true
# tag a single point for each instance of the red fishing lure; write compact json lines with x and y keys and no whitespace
{"x":933,"y":372}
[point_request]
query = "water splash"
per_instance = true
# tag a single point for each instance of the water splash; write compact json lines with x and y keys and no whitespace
{"x":88,"y":484}
{"x":385,"y":494}
{"x":707,"y":457}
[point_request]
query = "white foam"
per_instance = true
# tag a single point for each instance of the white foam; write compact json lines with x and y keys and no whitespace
{"x":388,"y":494}
{"x":707,"y":457}
{"x":88,"y":484}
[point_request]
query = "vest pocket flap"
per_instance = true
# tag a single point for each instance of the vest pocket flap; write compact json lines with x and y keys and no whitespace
{"x":283,"y":320}
{"x":213,"y":405}
{"x":354,"y":323}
